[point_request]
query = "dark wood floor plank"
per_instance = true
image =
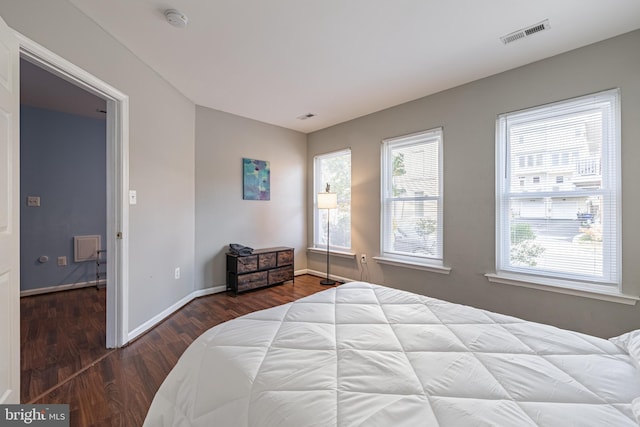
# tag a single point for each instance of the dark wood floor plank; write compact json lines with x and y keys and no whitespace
{"x":118,"y":389}
{"x":61,"y":333}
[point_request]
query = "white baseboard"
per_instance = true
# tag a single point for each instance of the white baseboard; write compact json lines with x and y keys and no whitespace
{"x":149,"y":324}
{"x":209,"y":291}
{"x":58,"y":288}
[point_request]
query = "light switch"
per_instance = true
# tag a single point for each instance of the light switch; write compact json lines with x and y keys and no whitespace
{"x":133,"y":197}
{"x":33,"y":201}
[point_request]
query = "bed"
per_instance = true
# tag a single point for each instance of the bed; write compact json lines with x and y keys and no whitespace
{"x":366,"y":355}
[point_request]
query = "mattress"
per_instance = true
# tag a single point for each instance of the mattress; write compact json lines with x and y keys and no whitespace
{"x":366,"y":355}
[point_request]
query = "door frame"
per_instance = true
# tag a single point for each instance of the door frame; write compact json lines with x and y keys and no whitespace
{"x":117,"y":324}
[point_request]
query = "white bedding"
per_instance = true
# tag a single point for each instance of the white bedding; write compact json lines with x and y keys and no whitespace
{"x":367,"y":355}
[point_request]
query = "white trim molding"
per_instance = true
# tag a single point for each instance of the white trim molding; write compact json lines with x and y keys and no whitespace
{"x":215,"y":289}
{"x":415,"y":265}
{"x":563,"y":287}
{"x":155,"y":320}
{"x":58,"y":288}
{"x":332,"y":252}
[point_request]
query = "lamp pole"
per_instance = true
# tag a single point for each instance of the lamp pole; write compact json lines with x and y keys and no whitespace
{"x":327,"y":200}
{"x":328,"y":281}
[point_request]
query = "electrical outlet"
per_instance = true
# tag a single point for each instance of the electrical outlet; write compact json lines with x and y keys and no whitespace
{"x":363,"y":259}
{"x":62,"y":261}
{"x":176,"y":273}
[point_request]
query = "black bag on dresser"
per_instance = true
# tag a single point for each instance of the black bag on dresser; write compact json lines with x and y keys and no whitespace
{"x":240,"y":250}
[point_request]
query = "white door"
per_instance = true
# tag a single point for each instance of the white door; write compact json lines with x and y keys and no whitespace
{"x":9,"y":217}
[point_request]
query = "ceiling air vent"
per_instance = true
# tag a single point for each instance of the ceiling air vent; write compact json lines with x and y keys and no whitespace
{"x":306,"y":116}
{"x":525,"y":32}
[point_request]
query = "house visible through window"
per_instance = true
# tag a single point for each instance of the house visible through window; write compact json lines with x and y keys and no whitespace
{"x":334,"y":169}
{"x":412,"y":198}
{"x":567,"y":226}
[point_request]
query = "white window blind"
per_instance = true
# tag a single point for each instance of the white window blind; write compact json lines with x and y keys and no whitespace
{"x":412,"y":197}
{"x":558,"y":212}
{"x":335,"y":169}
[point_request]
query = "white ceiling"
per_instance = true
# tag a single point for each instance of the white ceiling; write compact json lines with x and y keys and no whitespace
{"x":274,"y":60}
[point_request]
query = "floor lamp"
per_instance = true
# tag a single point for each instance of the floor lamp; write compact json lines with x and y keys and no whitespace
{"x":327,"y":200}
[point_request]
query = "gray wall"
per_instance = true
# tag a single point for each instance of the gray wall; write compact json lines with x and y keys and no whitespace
{"x":468,"y":115}
{"x":161,"y":152}
{"x":222,"y":216}
{"x":62,"y":161}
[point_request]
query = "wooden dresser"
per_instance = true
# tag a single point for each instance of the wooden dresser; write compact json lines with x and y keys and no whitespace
{"x":264,"y":267}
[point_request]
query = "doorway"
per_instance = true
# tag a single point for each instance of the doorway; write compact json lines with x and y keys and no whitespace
{"x":63,"y":185}
{"x":117,"y":180}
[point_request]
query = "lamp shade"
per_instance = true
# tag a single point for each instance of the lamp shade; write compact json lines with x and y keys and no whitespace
{"x":327,"y":200}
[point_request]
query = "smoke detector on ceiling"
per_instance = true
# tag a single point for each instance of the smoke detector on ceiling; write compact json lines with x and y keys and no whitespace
{"x":526,"y":32}
{"x":176,"y":18}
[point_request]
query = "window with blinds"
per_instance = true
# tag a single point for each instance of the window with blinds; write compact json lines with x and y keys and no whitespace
{"x":333,"y":169}
{"x":412,"y":197}
{"x":558,"y":190}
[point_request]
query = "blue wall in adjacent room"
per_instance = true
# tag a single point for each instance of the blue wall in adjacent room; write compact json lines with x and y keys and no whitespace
{"x":63,"y":161}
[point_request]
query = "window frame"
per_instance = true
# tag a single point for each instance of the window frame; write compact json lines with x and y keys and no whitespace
{"x":611,"y":280}
{"x":386,"y":179}
{"x":319,"y":186}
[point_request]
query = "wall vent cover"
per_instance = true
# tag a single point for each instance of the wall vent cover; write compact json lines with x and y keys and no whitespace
{"x":526,"y":32}
{"x":85,"y":248}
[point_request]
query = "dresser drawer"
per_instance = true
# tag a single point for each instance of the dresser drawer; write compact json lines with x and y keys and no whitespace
{"x":247,"y":264}
{"x":280,"y":274}
{"x":266,"y":261}
{"x":285,"y":258}
{"x":252,"y":280}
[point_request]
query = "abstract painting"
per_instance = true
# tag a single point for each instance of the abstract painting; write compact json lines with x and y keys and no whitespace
{"x":256,"y":177}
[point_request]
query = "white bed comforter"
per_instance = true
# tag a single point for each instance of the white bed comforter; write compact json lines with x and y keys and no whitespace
{"x":367,"y":355}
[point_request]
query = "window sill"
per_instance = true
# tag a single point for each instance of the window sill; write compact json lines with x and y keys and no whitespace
{"x":412,"y":264}
{"x":332,"y":252}
{"x":562,"y":287}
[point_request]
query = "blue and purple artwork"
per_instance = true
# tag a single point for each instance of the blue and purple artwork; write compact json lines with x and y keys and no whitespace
{"x":256,"y":179}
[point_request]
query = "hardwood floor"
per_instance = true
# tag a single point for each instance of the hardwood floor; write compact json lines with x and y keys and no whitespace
{"x":115,"y":387}
{"x":60,"y":333}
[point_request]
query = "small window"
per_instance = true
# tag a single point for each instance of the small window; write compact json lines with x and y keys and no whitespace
{"x":333,"y":169}
{"x":536,"y":180}
{"x":412,"y":197}
{"x":559,"y":179}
